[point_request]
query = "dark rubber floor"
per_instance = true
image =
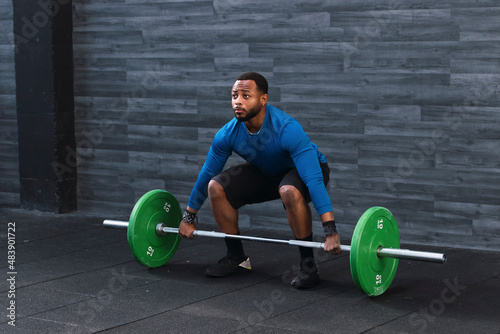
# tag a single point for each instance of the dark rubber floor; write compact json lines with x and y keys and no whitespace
{"x":74,"y":276}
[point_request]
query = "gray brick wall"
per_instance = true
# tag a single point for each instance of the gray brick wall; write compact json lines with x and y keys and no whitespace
{"x":9,"y":166}
{"x":401,"y":96}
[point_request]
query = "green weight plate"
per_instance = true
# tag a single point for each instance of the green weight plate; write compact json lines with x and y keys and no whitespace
{"x":149,"y":249}
{"x":376,"y":228}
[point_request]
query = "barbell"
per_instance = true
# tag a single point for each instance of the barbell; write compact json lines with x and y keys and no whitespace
{"x":153,"y":238}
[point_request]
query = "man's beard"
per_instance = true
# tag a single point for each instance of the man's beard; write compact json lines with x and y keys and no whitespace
{"x":251,"y":114}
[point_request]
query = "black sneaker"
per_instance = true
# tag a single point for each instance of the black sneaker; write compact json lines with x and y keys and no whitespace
{"x":227,"y":266}
{"x":305,"y":280}
{"x":307,"y":277}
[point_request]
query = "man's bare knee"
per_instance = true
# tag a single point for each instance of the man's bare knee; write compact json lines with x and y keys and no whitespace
{"x":215,"y":189}
{"x":290,"y":195}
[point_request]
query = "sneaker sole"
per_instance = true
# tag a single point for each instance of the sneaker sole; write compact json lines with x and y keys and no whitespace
{"x":238,"y":270}
{"x":243,"y":267}
{"x":299,"y":285}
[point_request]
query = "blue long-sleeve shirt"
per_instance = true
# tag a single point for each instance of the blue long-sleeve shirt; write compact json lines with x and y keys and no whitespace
{"x":280,"y":145}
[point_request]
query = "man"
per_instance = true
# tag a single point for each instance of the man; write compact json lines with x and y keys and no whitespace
{"x":282,"y":162}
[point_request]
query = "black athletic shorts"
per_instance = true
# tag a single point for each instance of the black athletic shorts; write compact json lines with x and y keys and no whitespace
{"x":247,"y":184}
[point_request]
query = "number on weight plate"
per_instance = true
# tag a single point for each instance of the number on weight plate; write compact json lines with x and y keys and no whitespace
{"x":380,"y":224}
{"x":378,"y":279}
{"x":150,"y":251}
{"x":166,"y":207}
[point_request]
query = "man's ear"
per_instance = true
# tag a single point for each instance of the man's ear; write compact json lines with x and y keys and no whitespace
{"x":263,"y":99}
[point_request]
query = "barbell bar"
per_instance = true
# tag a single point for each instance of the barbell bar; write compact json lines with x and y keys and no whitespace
{"x":153,"y":238}
{"x":396,"y":253}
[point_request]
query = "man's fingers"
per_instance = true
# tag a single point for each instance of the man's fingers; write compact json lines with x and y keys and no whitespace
{"x":336,"y":250}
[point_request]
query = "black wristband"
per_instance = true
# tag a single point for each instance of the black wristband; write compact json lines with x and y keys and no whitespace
{"x":329,"y":227}
{"x":189,"y":217}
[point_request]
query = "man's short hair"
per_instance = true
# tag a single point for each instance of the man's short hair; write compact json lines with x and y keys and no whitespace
{"x":259,"y":79}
